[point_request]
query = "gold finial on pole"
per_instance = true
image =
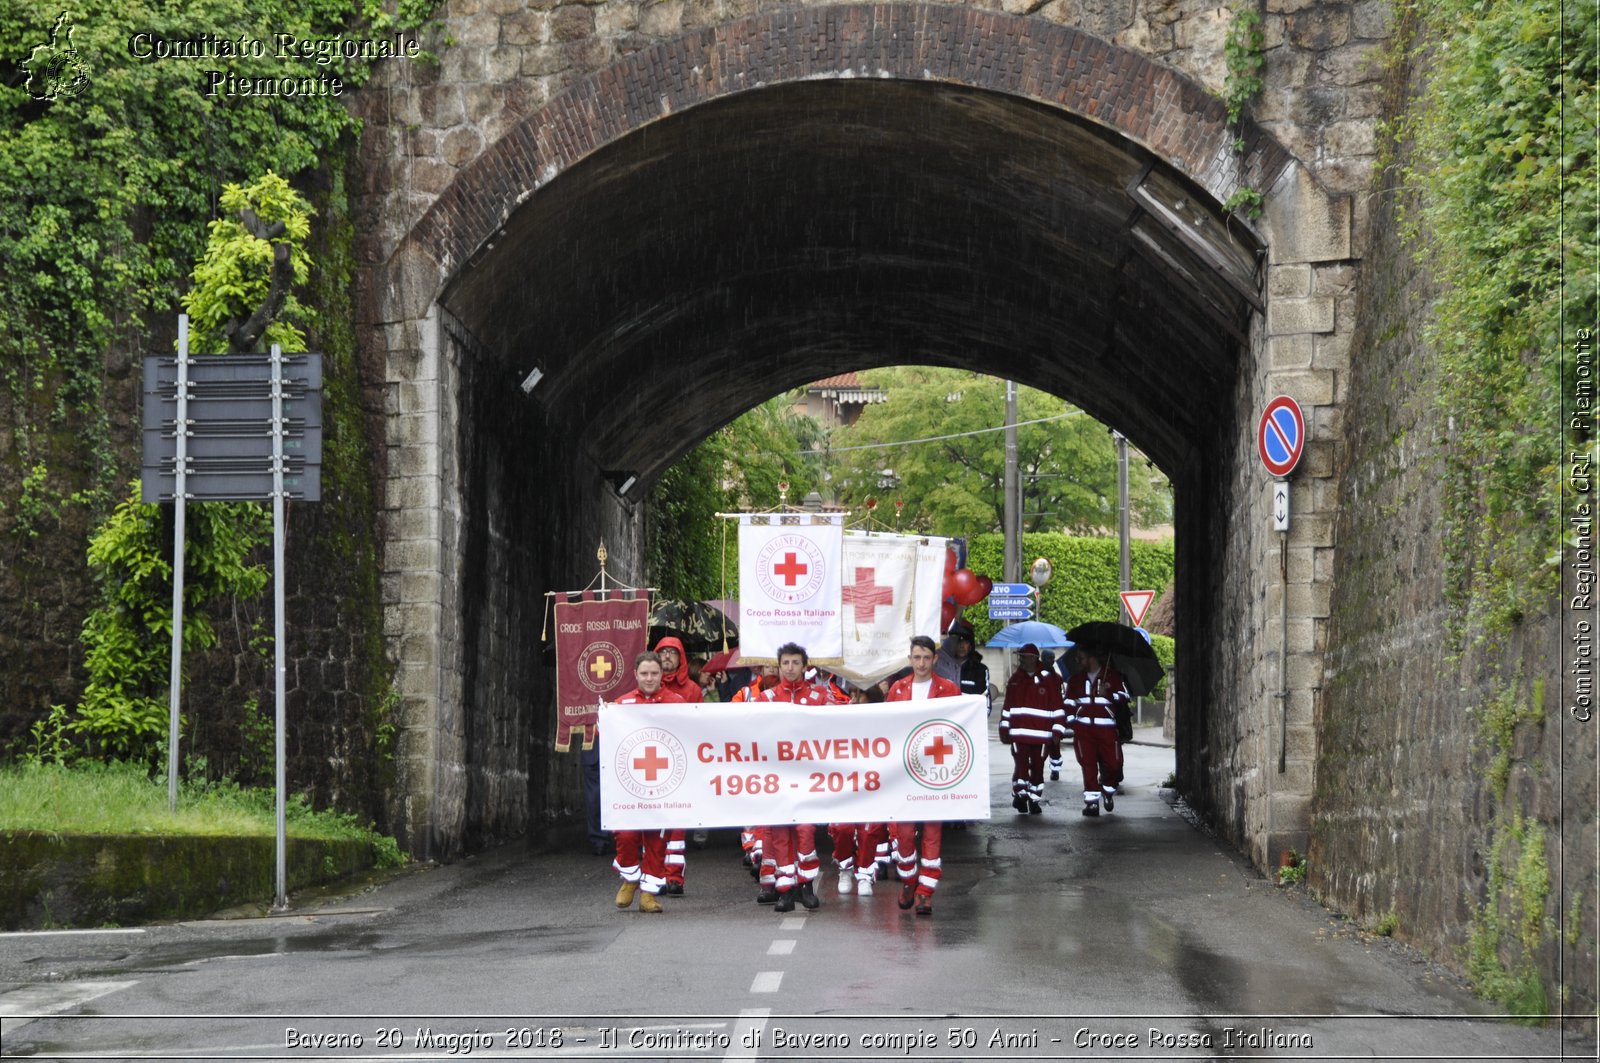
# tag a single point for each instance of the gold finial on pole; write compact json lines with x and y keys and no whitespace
{"x":783,"y":494}
{"x":600,"y":555}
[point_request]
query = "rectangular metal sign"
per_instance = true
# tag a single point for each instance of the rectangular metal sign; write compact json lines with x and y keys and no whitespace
{"x":1008,"y":612}
{"x":1012,"y":589}
{"x":229,"y":428}
{"x":1009,"y":600}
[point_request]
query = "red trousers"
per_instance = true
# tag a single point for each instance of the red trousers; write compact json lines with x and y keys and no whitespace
{"x":1027,"y":769}
{"x":1099,"y":755}
{"x":642,"y":858}
{"x":908,"y":857}
{"x":675,"y":854}
{"x":792,"y":852}
{"x":855,"y":845}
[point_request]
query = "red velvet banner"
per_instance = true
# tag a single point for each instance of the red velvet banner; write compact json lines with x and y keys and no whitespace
{"x":596,"y":642}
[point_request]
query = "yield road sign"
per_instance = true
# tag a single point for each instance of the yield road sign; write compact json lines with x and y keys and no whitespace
{"x":1281,"y":436}
{"x":1137,"y":603}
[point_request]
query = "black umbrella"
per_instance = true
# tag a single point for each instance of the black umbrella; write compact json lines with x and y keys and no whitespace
{"x":699,"y":626}
{"x":1127,"y":649}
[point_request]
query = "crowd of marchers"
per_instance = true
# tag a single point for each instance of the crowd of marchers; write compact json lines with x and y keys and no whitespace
{"x":1041,"y":707}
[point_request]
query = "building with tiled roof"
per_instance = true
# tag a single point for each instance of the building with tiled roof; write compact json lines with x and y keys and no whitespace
{"x":838,"y":400}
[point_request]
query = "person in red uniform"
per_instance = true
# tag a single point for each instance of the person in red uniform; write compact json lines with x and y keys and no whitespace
{"x":791,"y":850}
{"x":1092,"y":696}
{"x":765,"y":677}
{"x":1033,"y":722}
{"x":675,"y":679}
{"x":642,"y":854}
{"x":920,"y":869}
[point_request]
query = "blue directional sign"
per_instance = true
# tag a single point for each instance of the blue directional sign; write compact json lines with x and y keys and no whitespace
{"x":1011,"y":599}
{"x":1281,"y":436}
{"x":1009,"y":612}
{"x":1012,"y":589}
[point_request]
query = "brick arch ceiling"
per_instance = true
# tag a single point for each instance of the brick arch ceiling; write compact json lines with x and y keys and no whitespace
{"x":764,"y":203}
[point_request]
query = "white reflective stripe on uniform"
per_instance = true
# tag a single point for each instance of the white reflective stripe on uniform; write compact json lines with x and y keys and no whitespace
{"x":1040,"y":736}
{"x":629,"y":874}
{"x":1092,"y":796}
{"x":652,"y":883}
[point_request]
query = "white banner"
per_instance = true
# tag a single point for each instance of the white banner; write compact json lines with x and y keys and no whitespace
{"x":879,"y":583}
{"x":789,"y":586}
{"x":929,"y":602}
{"x":735,"y":765}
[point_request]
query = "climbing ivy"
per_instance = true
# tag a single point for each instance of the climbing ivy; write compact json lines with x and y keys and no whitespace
{"x":1246,"y":64}
{"x":1501,"y":209}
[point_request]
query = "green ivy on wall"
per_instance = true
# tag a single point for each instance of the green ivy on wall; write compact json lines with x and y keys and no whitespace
{"x":1501,"y":209}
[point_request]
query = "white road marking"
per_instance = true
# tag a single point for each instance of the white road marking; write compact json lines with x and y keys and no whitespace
{"x":767,"y":982}
{"x":781,"y":947}
{"x":21,"y":1006}
{"x":61,"y":933}
{"x":747,"y":1035}
{"x":793,"y":922}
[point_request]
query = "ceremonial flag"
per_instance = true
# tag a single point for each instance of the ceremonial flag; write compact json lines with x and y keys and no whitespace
{"x":678,"y":765}
{"x":789,"y":585}
{"x":596,"y":642}
{"x":928,"y":606}
{"x":878,"y":596}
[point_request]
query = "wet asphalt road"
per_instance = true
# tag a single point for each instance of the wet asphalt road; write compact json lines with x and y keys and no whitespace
{"x":1131,"y":936}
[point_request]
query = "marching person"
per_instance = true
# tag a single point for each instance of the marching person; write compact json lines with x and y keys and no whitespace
{"x":642,"y":854}
{"x":920,"y":869}
{"x":1032,"y":722}
{"x":790,"y":850}
{"x":960,"y":663}
{"x":1093,"y":695}
{"x":676,"y":679}
{"x":1070,"y":662}
{"x":764,"y":677}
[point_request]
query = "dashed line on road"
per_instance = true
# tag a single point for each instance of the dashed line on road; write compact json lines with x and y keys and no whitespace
{"x":781,"y":947}
{"x":767,"y":982}
{"x":747,"y":1034}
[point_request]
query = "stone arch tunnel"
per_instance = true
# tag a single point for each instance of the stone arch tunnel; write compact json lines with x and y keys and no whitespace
{"x":706,"y":223}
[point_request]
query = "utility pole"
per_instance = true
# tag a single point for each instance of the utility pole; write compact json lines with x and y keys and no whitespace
{"x":1013,"y":491}
{"x":1122,"y":516}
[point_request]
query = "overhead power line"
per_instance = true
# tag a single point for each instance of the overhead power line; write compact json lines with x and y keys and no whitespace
{"x":938,"y":439}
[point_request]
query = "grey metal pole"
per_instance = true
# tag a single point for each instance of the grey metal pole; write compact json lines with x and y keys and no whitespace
{"x":281,"y":899}
{"x":1013,"y":491}
{"x":1122,"y":514}
{"x":179,"y":487}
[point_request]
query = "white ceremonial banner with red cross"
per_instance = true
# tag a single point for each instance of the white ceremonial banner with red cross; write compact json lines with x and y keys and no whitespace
{"x":878,"y":595}
{"x":789,"y":585}
{"x":678,"y":765}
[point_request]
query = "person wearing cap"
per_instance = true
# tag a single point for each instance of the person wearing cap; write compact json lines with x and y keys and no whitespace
{"x":963,"y":665}
{"x":1033,"y":722}
{"x":1092,"y":697}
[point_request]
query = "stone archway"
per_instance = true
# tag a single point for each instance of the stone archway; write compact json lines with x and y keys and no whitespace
{"x":460,"y":304}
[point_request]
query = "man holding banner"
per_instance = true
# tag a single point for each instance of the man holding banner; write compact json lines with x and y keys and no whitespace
{"x":642,"y":854}
{"x":920,"y":870}
{"x":792,"y":850}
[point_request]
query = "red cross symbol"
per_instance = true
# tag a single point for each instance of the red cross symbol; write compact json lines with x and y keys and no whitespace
{"x":939,"y":750}
{"x":600,"y":667}
{"x":652,"y":763}
{"x":791,"y":569}
{"x":865,"y":593}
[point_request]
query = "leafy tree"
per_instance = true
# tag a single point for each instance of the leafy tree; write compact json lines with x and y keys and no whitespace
{"x":737,"y":467}
{"x":956,"y":486}
{"x":242,"y":288}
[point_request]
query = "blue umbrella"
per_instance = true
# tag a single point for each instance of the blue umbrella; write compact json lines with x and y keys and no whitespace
{"x":1041,"y":634}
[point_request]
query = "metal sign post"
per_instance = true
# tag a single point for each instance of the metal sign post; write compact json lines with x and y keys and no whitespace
{"x":281,"y":900}
{"x":180,"y":476}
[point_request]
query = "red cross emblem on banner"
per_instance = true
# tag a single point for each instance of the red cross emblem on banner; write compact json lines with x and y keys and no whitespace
{"x":865,"y":594}
{"x":939,"y":750}
{"x":652,"y":763}
{"x":791,"y":568}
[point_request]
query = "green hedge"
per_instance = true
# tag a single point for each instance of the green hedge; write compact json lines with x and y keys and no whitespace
{"x":1085,"y":582}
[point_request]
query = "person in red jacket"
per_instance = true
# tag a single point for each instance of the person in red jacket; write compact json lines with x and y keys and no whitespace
{"x":765,"y":678}
{"x":1033,"y":722}
{"x":1092,"y":696}
{"x":675,"y":679}
{"x":920,"y":869}
{"x":642,"y":854}
{"x":791,"y":850}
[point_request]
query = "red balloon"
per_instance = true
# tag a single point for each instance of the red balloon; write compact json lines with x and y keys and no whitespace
{"x":949,"y":560}
{"x":947,"y":615}
{"x":965,"y":585}
{"x":949,"y":591}
{"x":986,"y":585}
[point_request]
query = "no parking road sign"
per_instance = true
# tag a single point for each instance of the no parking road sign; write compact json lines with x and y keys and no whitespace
{"x":1281,"y":436}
